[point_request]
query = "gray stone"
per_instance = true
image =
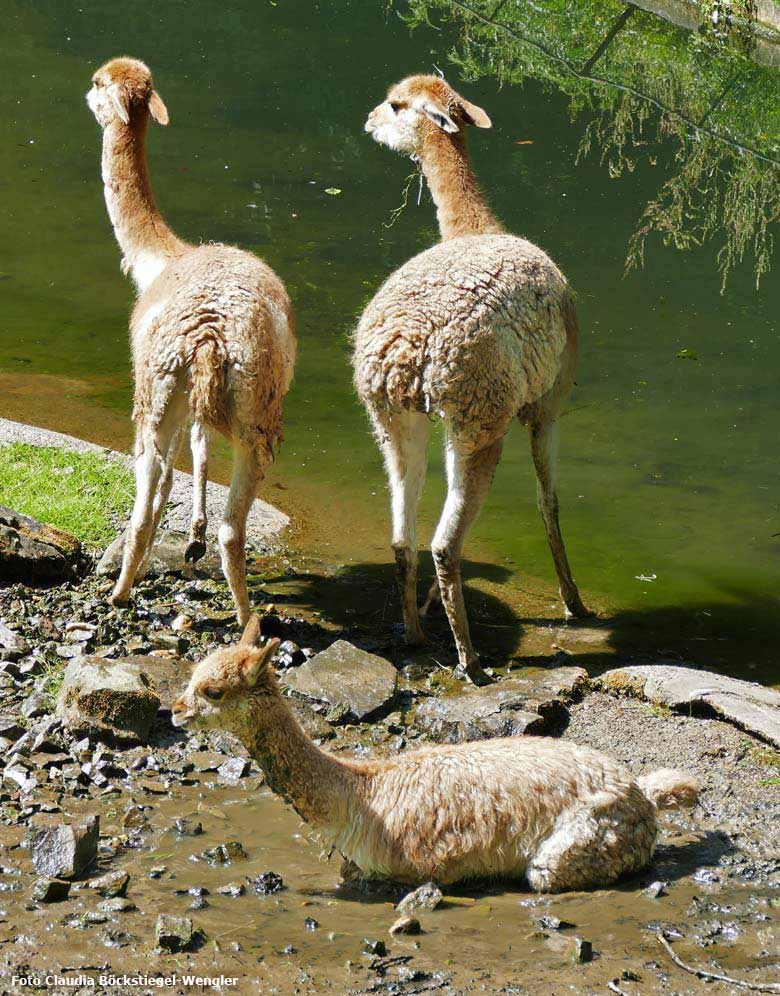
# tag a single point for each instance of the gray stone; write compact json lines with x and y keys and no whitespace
{"x":406,"y":925}
{"x":174,"y":933}
{"x":350,"y":681}
{"x":233,"y":769}
{"x":167,"y":557}
{"x":749,"y":706}
{"x":33,"y":552}
{"x":64,"y":851}
{"x":111,"y":884}
{"x":50,"y":890}
{"x":509,"y":708}
{"x":425,"y":897}
{"x":112,"y":699}
{"x":13,"y":645}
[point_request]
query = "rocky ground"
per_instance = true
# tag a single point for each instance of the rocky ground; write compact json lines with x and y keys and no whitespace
{"x":126,"y":845}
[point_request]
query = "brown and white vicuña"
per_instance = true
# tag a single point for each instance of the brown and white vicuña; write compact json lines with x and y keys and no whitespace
{"x":213,"y":341}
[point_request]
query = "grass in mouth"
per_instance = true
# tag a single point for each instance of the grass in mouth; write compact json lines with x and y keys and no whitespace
{"x":84,"y":493}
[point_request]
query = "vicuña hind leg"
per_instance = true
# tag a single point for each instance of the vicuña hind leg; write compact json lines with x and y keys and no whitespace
{"x":544,"y":438}
{"x":469,"y":475}
{"x":608,"y":837}
{"x":403,"y":437}
{"x":196,"y":547}
{"x":249,"y":463}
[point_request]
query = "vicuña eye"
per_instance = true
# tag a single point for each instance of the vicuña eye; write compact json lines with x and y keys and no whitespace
{"x":213,"y":693}
{"x":395,"y":107}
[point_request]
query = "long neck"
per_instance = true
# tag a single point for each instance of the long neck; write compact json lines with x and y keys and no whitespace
{"x":146,"y":242}
{"x":317,"y":785}
{"x":461,"y":207}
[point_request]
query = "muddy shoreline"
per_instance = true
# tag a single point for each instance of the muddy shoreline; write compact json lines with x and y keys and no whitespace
{"x":714,"y":884}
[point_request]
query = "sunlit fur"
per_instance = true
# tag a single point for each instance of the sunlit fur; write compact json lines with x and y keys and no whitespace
{"x":213,"y":339}
{"x":555,"y":814}
{"x":477,"y":331}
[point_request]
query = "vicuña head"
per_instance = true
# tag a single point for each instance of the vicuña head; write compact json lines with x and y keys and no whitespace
{"x":221,"y":686}
{"x":417,"y":107}
{"x":122,"y":90}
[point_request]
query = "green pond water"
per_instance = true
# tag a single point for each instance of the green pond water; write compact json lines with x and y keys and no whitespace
{"x":669,"y":457}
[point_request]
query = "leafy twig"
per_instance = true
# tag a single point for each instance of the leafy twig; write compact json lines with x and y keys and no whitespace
{"x":397,"y":212}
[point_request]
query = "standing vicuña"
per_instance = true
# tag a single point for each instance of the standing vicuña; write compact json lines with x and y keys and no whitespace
{"x":559,"y":815}
{"x":213,"y":338}
{"x":479,"y":330}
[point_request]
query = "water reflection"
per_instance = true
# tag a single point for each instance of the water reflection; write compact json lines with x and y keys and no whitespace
{"x":701,"y":104}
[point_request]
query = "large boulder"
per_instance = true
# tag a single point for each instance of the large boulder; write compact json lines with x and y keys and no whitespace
{"x":532,"y":704}
{"x":33,"y":552}
{"x":167,"y":557}
{"x":749,"y":706}
{"x":355,"y":684}
{"x":112,"y":699}
{"x":65,"y":851}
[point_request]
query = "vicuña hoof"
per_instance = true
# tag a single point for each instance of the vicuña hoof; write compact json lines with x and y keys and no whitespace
{"x":576,"y":610}
{"x":476,"y":674}
{"x":195,"y":550}
{"x":415,"y":638}
{"x":119,"y":598}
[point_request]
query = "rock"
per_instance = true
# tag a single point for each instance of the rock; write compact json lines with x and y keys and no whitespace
{"x":64,"y":851}
{"x":374,"y":947}
{"x":406,"y":925}
{"x":234,"y":889}
{"x":343,"y":676}
{"x":174,"y":933}
{"x":167,"y":674}
{"x":232,"y":770}
{"x":186,"y":827}
{"x":35,"y":553}
{"x":583,"y":951}
{"x":656,"y":890}
{"x":12,"y":645}
{"x":50,"y":890}
{"x":225,"y":854}
{"x":111,"y":884}
{"x":266,"y":884}
{"x":547,"y":922}
{"x":426,"y":897}
{"x":118,"y":904}
{"x":113,"y":700}
{"x":310,"y":923}
{"x":167,"y":557}
{"x":509,"y":708}
{"x":749,"y":706}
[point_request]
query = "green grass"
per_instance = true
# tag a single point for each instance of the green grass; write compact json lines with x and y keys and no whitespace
{"x":83,"y":493}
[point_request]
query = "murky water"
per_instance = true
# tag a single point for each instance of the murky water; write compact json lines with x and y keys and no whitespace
{"x":669,"y":476}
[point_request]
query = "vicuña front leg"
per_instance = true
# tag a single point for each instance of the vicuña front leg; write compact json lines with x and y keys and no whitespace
{"x":544,"y":439}
{"x":404,"y":440}
{"x":249,"y":462}
{"x":468,"y":480}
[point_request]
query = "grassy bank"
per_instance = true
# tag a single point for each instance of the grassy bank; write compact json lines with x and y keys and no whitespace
{"x":83,"y":493}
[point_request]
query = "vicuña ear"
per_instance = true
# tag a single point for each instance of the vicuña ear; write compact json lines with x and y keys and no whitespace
{"x":257,"y":662}
{"x":437,"y":114}
{"x":121,"y":101}
{"x":251,"y":635}
{"x":158,"y":109}
{"x":474,"y":115}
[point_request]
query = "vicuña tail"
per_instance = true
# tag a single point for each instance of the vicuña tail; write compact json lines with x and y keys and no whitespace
{"x":668,"y":788}
{"x":208,"y":383}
